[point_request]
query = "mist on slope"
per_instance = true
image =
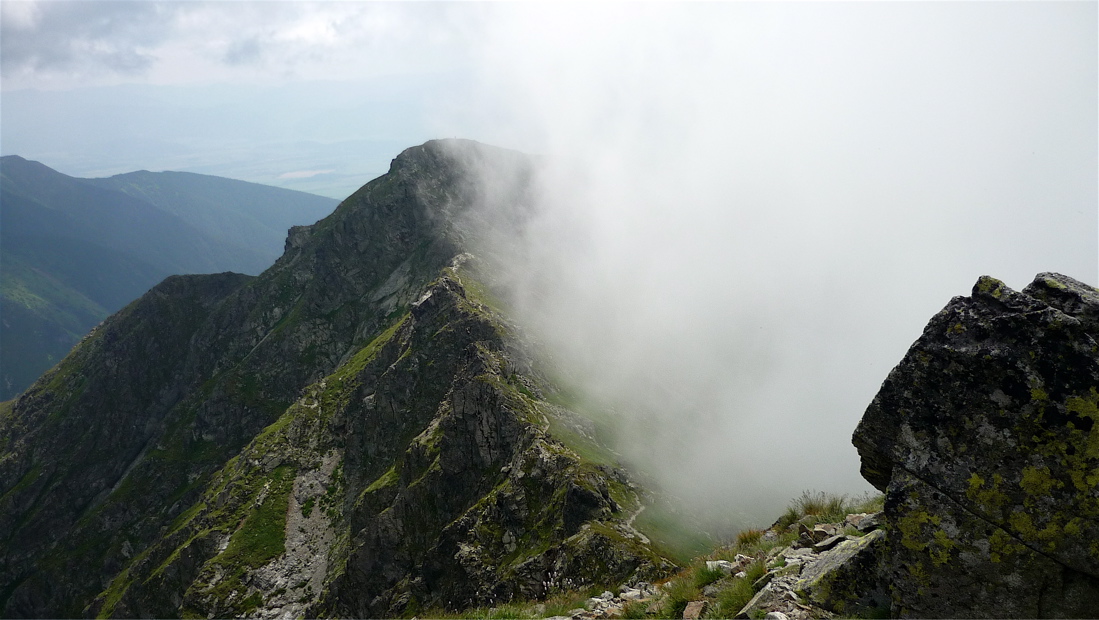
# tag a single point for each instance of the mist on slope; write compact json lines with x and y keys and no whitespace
{"x":747,"y":213}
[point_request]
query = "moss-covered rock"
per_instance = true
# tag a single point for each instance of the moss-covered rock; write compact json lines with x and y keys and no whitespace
{"x":845,"y":579}
{"x":985,"y":440}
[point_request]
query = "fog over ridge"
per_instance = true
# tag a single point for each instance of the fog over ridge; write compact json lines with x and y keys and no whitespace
{"x":744,"y":230}
{"x":744,"y":213}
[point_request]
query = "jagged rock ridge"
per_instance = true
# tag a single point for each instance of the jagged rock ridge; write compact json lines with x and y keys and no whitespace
{"x":351,"y":433}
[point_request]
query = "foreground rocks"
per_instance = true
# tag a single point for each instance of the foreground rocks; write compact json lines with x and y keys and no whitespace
{"x":808,"y":579}
{"x":985,"y":443}
{"x":984,"y":440}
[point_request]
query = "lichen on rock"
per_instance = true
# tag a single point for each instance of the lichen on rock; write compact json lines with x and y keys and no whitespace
{"x":984,"y":439}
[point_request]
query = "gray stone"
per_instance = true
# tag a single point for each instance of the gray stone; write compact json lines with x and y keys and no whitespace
{"x":810,"y":536}
{"x":724,"y":566}
{"x":828,"y":543}
{"x":871,"y":522}
{"x":694,"y":610}
{"x":854,"y":519}
{"x":985,"y":439}
{"x":845,"y":579}
{"x":762,"y":598}
{"x":764,"y":580}
{"x":776,"y":615}
{"x":791,"y":553}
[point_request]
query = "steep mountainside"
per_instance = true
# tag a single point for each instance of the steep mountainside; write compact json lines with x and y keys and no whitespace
{"x":354,"y":432}
{"x":75,"y":250}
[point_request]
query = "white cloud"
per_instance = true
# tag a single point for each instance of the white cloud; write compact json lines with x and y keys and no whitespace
{"x":66,"y":44}
{"x":20,"y":14}
{"x":757,"y":207}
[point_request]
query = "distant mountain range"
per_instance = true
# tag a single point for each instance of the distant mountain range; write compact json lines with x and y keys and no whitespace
{"x":73,"y":251}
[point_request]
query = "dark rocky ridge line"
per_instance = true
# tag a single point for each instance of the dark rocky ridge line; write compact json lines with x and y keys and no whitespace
{"x":112,"y":453}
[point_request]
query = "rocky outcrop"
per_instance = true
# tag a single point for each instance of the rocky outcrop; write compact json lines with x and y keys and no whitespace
{"x":985,"y":439}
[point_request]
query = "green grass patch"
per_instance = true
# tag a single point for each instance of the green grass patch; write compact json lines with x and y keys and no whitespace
{"x":367,"y":354}
{"x":747,"y":538}
{"x":262,"y":534}
{"x":185,"y":517}
{"x":635,"y":609}
{"x":251,"y":603}
{"x":388,"y":479}
{"x":733,"y":598}
{"x":678,"y":594}
{"x":24,"y":482}
{"x":823,"y":507}
{"x":702,"y":576}
{"x":562,"y":603}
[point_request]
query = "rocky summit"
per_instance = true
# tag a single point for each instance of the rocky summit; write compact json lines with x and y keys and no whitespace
{"x":358,"y":431}
{"x":985,"y":441}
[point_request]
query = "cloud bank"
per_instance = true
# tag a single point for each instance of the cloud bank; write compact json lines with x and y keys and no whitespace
{"x":61,"y":44}
{"x":752,"y":210}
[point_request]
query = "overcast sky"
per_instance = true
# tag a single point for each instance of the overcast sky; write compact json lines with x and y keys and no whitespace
{"x":754,"y":208}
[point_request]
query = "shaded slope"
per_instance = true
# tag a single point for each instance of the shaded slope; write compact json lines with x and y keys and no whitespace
{"x":41,"y":203}
{"x":237,"y":213}
{"x":76,"y":250}
{"x":138,"y":454}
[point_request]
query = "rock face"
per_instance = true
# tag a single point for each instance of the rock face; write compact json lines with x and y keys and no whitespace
{"x":355,"y":432}
{"x":985,"y":439}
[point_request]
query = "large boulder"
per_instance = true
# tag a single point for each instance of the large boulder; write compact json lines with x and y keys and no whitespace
{"x":985,"y":440}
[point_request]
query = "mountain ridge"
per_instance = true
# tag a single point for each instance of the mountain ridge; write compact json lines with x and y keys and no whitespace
{"x":75,"y":250}
{"x":236,"y":353}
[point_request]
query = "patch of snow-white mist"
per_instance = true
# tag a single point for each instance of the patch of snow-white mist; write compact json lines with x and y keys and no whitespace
{"x":747,"y":212}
